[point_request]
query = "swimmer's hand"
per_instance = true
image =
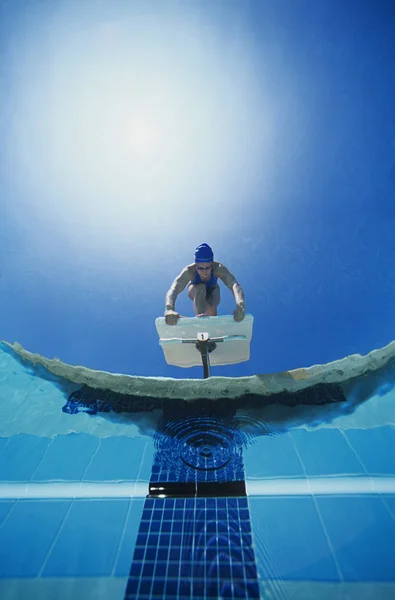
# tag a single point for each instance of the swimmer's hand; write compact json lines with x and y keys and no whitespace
{"x":171,"y":317}
{"x":239,"y":312}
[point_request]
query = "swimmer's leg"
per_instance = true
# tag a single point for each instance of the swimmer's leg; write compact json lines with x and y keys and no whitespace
{"x":204,"y":301}
{"x":197,"y":293}
{"x":213,"y":299}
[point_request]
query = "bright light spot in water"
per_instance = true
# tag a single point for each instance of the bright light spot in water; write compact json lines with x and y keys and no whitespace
{"x":144,"y":136}
{"x":120,"y":137}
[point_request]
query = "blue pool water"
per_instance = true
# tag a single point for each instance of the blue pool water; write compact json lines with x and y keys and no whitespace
{"x":287,"y":494}
{"x":130,"y":133}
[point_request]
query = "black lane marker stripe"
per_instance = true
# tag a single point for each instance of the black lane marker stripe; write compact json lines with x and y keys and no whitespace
{"x":211,"y":489}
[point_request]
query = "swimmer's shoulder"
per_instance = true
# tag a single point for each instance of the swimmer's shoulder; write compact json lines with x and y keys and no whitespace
{"x":221,"y":271}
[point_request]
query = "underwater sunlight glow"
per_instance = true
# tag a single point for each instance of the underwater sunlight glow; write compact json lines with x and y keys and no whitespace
{"x":123,"y":146}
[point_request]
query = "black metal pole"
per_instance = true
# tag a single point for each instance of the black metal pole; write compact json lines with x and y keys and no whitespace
{"x":203,"y":347}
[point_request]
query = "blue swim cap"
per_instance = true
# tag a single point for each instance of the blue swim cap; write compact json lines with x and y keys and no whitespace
{"x":203,"y":253}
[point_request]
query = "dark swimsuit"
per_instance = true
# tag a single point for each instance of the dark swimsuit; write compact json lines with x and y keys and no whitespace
{"x":211,"y":283}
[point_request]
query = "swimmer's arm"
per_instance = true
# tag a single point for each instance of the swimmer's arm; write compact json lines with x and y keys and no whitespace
{"x":176,"y":287}
{"x":230,"y":281}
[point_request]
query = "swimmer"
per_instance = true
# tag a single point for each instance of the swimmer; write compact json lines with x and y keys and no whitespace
{"x":201,"y":277}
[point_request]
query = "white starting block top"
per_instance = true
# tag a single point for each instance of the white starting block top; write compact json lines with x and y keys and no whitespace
{"x":234,"y":348}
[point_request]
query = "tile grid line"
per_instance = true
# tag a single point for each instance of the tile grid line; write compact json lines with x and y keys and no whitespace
{"x":143,"y":557}
{"x":29,"y":481}
{"x":43,"y":457}
{"x":91,"y":459}
{"x":150,"y":592}
{"x":329,"y":542}
{"x":231,"y":557}
{"x":387,"y":508}
{"x":182,"y":537}
{"x":238,"y":517}
{"x":128,"y":515}
{"x":54,"y":541}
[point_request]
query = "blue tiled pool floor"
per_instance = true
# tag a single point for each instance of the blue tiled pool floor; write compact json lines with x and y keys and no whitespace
{"x":322,"y":539}
{"x":114,"y":589}
{"x":81,"y":588}
{"x":333,"y":543}
{"x":68,"y":538}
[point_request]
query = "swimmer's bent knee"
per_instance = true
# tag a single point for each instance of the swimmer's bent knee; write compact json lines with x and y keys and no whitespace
{"x":196,"y":290}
